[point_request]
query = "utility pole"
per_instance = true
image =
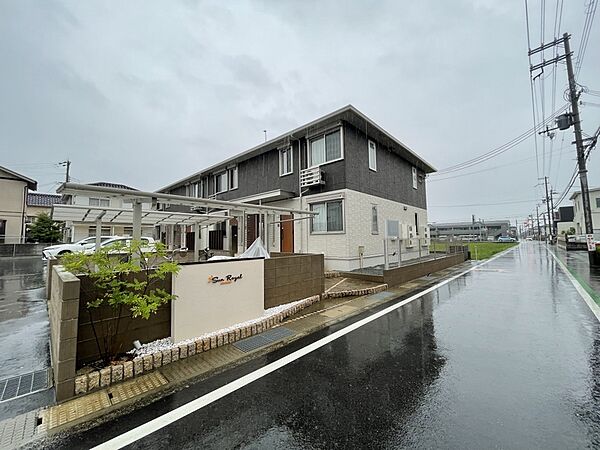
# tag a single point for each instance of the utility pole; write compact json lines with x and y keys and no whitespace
{"x":585,"y":194}
{"x":566,"y":120}
{"x":537,"y":213}
{"x":66,"y":164}
{"x":548,"y":207}
{"x":545,"y":232}
{"x":554,"y":227}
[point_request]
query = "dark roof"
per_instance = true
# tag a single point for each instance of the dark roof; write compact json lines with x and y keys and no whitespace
{"x":113,"y":185}
{"x":31,"y":184}
{"x":38,"y":199}
{"x":348,"y":114}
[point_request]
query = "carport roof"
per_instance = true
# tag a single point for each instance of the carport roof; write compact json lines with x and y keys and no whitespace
{"x":171,"y":199}
{"x":124,"y":216}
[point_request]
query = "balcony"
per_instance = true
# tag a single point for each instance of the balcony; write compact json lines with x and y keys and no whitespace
{"x":311,"y":177}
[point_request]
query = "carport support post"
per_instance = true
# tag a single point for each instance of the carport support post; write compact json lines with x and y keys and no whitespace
{"x":137,"y":220}
{"x":98,"y":232}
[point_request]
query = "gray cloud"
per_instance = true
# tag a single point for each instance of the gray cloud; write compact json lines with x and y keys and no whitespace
{"x":144,"y":93}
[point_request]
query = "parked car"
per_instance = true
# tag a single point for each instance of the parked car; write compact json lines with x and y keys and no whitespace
{"x":79,"y":246}
{"x":147,"y":244}
{"x":506,"y":239}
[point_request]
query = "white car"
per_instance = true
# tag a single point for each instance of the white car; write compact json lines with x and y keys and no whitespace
{"x":79,"y":246}
{"x":148,"y":243}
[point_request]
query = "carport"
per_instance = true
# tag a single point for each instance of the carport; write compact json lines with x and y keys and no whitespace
{"x":100,"y":215}
{"x":214,"y":211}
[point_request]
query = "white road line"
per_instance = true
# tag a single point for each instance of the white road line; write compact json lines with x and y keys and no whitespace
{"x":587,"y":297}
{"x":166,"y":419}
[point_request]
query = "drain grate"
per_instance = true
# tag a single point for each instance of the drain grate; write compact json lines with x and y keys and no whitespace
{"x":23,"y":385}
{"x":262,"y":339}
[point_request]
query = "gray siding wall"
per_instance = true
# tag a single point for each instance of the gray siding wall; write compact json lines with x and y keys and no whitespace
{"x":393,"y":178}
{"x":261,"y":174}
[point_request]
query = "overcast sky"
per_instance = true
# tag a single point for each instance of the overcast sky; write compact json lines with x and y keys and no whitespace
{"x":147,"y":92}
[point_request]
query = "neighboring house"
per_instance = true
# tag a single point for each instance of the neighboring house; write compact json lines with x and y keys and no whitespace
{"x":343,"y":166}
{"x":563,"y":219}
{"x":478,"y":229}
{"x":74,"y":231}
{"x":14,"y":188}
{"x":578,"y":211}
{"x":38,"y":203}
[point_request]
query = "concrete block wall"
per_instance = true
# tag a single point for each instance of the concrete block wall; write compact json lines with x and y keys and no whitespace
{"x":291,"y":277}
{"x":63,"y":312}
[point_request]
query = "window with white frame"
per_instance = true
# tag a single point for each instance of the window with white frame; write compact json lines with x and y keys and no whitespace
{"x":330,"y":218}
{"x":285,"y":161}
{"x":372,"y":156}
{"x":597,"y":202}
{"x":99,"y":202}
{"x":325,"y":148}
{"x":374,"y":220}
{"x":221,"y":182}
{"x":233,"y":177}
{"x":414,"y":177}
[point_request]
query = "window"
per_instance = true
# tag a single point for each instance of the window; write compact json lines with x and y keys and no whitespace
{"x":372,"y":156}
{"x":285,"y":161}
{"x":414,"y":177}
{"x":330,"y":217}
{"x":416,"y":223}
{"x":104,"y":231}
{"x":221,"y":182}
{"x":374,"y":223}
{"x":597,"y":202}
{"x":326,"y":148}
{"x":233,"y":177}
{"x":99,"y":202}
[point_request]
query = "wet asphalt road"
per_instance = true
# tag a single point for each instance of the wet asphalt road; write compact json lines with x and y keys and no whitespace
{"x":24,"y":327}
{"x":507,"y":356}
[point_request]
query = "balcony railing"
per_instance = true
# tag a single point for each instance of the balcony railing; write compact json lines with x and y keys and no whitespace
{"x":311,"y":177}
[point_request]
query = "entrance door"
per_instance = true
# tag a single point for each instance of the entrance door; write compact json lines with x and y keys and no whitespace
{"x":251,"y":229}
{"x":233,"y":237}
{"x":286,"y":236}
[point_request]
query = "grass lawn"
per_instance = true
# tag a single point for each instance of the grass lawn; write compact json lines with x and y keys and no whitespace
{"x":484,"y":250}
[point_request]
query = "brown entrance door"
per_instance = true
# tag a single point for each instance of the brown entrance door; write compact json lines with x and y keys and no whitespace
{"x":286,"y":236}
{"x":251,"y":229}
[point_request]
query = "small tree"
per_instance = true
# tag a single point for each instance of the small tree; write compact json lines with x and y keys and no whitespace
{"x":44,"y":229}
{"x":123,"y":278}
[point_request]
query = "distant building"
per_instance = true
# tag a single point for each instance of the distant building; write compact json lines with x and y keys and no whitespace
{"x":578,"y":218}
{"x":14,"y":188}
{"x":38,"y":203}
{"x":474,"y":230}
{"x":563,"y":219}
{"x":74,"y":231}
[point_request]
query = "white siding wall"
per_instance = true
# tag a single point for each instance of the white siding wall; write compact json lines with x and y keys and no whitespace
{"x":578,"y":216}
{"x":341,"y":249}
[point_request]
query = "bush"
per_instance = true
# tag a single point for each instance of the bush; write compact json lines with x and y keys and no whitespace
{"x":44,"y":229}
{"x":124,"y":278}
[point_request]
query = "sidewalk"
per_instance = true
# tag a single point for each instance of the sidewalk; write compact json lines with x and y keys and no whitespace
{"x":579,"y":266}
{"x":147,"y":388}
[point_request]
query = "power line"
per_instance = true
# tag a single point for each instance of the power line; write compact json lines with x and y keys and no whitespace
{"x":483,"y":204}
{"x":490,"y":168}
{"x":499,"y":150}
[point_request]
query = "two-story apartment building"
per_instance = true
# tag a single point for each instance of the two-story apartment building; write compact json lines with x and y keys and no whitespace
{"x":74,"y":231}
{"x":578,"y":219}
{"x":343,"y":166}
{"x":14,"y":188}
